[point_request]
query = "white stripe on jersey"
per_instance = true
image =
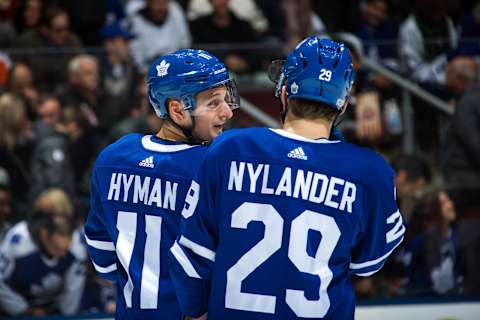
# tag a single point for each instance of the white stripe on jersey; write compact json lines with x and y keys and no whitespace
{"x":183,"y":261}
{"x":101,"y":245}
{"x":365,"y":264}
{"x":198,"y":249}
{"x":107,"y":269}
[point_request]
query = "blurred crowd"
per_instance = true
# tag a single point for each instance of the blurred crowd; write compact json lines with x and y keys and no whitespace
{"x":72,"y":80}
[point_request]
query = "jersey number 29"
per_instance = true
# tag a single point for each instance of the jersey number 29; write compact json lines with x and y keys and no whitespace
{"x":297,"y":253}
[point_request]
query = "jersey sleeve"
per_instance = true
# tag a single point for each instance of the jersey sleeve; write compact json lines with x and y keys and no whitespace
{"x":100,"y":245}
{"x":70,"y":298}
{"x":383,"y":227}
{"x":10,"y":301}
{"x":193,"y":253}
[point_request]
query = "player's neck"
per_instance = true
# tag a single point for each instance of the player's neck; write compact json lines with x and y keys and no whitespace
{"x":308,"y":128}
{"x":168,"y":132}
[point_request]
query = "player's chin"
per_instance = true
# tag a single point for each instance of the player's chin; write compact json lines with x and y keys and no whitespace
{"x":216,"y":130}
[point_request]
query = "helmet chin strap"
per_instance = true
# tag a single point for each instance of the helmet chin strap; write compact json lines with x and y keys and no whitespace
{"x":336,"y":123}
{"x":284,"y":110}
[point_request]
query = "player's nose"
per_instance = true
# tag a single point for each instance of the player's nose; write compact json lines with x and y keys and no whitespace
{"x":225,"y":111}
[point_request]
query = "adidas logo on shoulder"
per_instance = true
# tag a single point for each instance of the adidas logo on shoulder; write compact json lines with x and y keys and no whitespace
{"x":297,"y":153}
{"x":147,"y":162}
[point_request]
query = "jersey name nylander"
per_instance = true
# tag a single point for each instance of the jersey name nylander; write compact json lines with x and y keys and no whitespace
{"x":277,"y":237}
{"x":306,"y":185}
{"x":138,"y":189}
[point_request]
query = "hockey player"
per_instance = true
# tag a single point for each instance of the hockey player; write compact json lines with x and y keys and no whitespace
{"x":139,"y":182}
{"x":277,"y":220}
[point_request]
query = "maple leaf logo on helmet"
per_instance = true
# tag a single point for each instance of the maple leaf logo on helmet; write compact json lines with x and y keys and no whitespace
{"x":162,"y":68}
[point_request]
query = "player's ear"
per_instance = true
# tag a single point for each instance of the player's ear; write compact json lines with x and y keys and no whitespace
{"x":175,"y":110}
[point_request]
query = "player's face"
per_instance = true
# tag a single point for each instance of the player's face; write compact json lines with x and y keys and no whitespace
{"x":211,"y":113}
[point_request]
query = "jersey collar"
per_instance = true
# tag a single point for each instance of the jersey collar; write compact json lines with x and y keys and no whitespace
{"x":300,"y":138}
{"x":152,"y":143}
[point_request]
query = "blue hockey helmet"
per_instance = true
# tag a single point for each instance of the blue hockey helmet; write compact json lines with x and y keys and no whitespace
{"x":319,"y":70}
{"x":181,"y":75}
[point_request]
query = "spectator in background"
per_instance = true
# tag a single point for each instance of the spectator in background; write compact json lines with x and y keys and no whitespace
{"x":378,"y":35}
{"x":21,"y":84}
{"x":363,"y":123}
{"x":276,"y":20}
{"x":223,"y":26}
{"x":339,"y":15}
{"x":54,"y":201}
{"x":84,"y":91}
{"x":99,"y":295}
{"x":413,"y":175}
{"x":158,"y":28}
{"x":5,"y":202}
{"x":424,"y":40}
{"x":301,"y":21}
{"x":116,"y":12}
{"x":7,"y":32}
{"x":50,"y":111}
{"x":87,"y":17}
{"x":51,"y":162}
{"x":461,"y":168}
{"x":431,"y":252}
{"x":54,"y":33}
{"x":246,"y":10}
{"x":82,"y":148}
{"x":119,"y":74}
{"x":42,"y":265}
{"x":141,"y":119}
{"x":27,"y":16}
{"x":462,"y":74}
{"x":15,"y":148}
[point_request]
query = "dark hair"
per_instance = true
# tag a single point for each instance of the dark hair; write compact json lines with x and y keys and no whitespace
{"x":429,"y":212}
{"x":51,"y":13}
{"x":5,"y":188}
{"x":45,"y":96}
{"x":415,"y":167}
{"x":19,"y":18}
{"x":77,"y":115}
{"x":309,"y":109}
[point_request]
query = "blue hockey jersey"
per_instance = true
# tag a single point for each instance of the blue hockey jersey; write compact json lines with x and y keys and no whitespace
{"x":138,"y":187}
{"x":30,"y":279}
{"x":275,"y":224}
